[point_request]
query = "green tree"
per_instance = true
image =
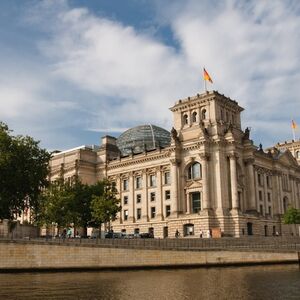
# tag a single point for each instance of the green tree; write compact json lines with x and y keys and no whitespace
{"x":55,"y":205}
{"x":81,"y":206}
{"x":292,"y":216}
{"x":105,"y":207}
{"x":66,"y":203}
{"x":23,"y":172}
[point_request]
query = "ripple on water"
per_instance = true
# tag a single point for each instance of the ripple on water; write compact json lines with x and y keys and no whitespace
{"x":259,"y":282}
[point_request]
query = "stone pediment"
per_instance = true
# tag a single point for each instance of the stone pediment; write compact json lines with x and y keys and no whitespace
{"x":288,"y":159}
{"x":193,"y":184}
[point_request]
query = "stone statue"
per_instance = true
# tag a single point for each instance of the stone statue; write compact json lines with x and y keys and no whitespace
{"x":174,"y":134}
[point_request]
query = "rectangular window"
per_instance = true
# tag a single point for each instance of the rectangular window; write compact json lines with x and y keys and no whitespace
{"x":167,"y":195}
{"x":259,"y":179}
{"x":125,"y":215}
{"x":138,"y":198}
{"x":152,"y":180}
{"x":268,"y":181}
{"x":270,"y":210}
{"x":167,"y":177}
{"x":125,"y":200}
{"x":196,"y":203}
{"x":125,"y":185}
{"x":261,"y":210}
{"x":138,"y":213}
{"x":138,"y":182}
{"x":152,"y":212}
{"x":269,"y":197}
{"x":152,"y":196}
{"x":168,"y":210}
{"x":260,"y":195}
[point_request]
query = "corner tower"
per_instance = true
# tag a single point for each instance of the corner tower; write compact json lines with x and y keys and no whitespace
{"x":210,"y":114}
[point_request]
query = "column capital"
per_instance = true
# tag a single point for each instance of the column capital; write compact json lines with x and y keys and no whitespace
{"x":233,"y":155}
{"x":175,"y":161}
{"x":204,"y":156}
{"x":249,"y":161}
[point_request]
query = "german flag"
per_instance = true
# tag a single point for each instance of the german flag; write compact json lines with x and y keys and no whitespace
{"x":206,"y":76}
{"x":294,"y":125}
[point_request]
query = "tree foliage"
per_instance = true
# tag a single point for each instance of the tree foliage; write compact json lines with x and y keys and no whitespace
{"x":78,"y":204}
{"x":105,"y":207}
{"x":292,"y":216}
{"x":23,"y":172}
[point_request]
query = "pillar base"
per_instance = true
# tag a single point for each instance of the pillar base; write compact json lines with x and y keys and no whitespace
{"x":173,"y":215}
{"x":145,"y":219}
{"x":222,"y":212}
{"x":252,"y":212}
{"x":206,"y":212}
{"x":235,"y":211}
{"x":131,"y":219}
{"x":159,"y":217}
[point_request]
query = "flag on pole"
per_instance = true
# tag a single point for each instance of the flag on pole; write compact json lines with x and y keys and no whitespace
{"x":294,"y":125}
{"x":206,"y":76}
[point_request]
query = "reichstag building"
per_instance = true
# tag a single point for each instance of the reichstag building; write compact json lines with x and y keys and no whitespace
{"x":205,"y":175}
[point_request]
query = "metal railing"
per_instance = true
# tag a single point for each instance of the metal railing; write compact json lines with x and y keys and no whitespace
{"x":192,"y":244}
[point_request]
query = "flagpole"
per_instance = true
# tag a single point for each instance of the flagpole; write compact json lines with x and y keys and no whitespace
{"x":205,"y":85}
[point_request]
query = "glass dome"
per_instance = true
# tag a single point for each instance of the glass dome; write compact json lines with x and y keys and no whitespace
{"x":143,"y":137}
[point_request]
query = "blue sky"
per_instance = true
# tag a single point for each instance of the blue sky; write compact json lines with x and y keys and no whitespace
{"x":72,"y":71}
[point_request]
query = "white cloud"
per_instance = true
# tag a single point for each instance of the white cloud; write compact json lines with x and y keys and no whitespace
{"x":99,"y":73}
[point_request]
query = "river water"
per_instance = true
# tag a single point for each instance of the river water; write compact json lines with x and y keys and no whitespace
{"x":255,"y":282}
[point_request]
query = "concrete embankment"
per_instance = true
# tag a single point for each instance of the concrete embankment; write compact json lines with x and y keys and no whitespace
{"x":33,"y":256}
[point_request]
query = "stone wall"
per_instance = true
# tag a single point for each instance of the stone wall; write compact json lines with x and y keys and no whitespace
{"x":18,"y":255}
{"x":17,"y":230}
{"x":291,"y":229}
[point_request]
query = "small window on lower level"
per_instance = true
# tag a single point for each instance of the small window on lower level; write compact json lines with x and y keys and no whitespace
{"x":153,"y":212}
{"x":168,"y":210}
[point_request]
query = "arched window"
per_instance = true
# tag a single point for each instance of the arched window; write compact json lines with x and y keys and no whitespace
{"x":298,"y":154}
{"x":194,"y":117}
{"x":194,"y":171}
{"x":203,"y":114}
{"x":185,"y":119}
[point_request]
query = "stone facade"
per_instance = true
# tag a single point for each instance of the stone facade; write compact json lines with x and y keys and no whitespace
{"x":293,"y":146}
{"x":210,"y":177}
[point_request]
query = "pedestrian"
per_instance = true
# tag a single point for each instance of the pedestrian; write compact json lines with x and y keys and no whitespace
{"x":208,"y":234}
{"x":69,"y":233}
{"x":177,"y":234}
{"x":201,"y":234}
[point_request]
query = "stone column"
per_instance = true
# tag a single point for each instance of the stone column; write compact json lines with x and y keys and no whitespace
{"x":275,"y":193}
{"x":119,"y":188}
{"x":174,"y":188}
{"x":233,"y":180}
{"x":188,"y":202}
{"x":158,"y":200}
{"x":280,"y":203}
{"x":206,"y":203}
{"x":145,"y":203}
{"x":251,"y":186}
{"x":131,"y":198}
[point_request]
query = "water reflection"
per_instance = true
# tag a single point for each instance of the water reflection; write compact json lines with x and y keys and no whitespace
{"x":268,"y":282}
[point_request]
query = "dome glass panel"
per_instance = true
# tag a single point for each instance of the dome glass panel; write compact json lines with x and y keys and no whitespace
{"x":143,"y":137}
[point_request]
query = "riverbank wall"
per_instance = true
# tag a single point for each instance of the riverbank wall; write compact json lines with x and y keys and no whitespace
{"x":18,"y":256}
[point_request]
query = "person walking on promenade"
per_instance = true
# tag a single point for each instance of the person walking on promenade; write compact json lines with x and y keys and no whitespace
{"x":177,"y":234}
{"x":201,"y":234}
{"x":208,"y":234}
